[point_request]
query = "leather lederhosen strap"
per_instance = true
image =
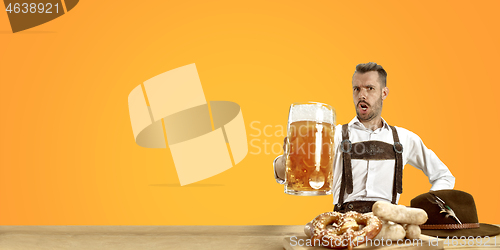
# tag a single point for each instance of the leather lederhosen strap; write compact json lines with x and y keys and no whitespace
{"x":346,"y":182}
{"x":398,"y":172}
{"x":370,"y":150}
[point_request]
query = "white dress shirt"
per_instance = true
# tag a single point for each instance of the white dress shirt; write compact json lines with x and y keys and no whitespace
{"x":373,"y":179}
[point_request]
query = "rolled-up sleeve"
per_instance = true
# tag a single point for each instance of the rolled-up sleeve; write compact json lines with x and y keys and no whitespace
{"x":419,"y":156}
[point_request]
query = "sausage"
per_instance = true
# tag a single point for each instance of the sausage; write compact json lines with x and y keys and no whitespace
{"x":413,"y":232}
{"x":391,"y":231}
{"x":399,"y":213}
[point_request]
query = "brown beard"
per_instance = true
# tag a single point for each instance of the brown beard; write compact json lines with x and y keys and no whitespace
{"x":376,"y":110}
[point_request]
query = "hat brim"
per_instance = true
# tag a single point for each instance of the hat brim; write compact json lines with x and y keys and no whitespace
{"x":483,"y":230}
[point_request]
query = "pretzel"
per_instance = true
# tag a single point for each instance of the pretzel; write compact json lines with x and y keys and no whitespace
{"x":337,"y":230}
{"x":399,"y":213}
{"x":308,"y":229}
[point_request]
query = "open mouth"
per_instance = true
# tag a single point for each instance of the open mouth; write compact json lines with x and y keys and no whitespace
{"x":363,"y":106}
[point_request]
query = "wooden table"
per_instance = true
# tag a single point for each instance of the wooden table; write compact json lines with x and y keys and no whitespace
{"x":149,"y":237}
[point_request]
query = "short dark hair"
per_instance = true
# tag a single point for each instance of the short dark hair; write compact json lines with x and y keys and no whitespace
{"x":371,"y":66}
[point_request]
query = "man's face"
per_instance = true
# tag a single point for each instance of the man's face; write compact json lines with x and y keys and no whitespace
{"x":368,"y":94}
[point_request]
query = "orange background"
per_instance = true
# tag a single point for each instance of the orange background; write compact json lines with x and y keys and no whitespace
{"x":68,"y":155}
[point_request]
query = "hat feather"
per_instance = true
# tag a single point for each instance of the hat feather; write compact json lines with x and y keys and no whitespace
{"x":444,"y":208}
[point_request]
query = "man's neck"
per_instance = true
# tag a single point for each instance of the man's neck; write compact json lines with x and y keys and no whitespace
{"x":372,"y":124}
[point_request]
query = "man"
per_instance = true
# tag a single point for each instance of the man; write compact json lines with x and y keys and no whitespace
{"x":370,"y":154}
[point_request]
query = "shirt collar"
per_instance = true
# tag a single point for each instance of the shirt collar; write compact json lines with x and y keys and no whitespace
{"x":357,"y":124}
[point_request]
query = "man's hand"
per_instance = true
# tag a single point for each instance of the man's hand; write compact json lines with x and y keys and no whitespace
{"x":280,"y":166}
{"x":280,"y":163}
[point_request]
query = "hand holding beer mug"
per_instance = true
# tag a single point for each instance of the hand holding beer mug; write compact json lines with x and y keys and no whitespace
{"x":309,"y":149}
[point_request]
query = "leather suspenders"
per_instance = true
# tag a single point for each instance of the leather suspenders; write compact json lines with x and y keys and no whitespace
{"x":370,"y":150}
{"x":346,"y":148}
{"x":397,"y":187}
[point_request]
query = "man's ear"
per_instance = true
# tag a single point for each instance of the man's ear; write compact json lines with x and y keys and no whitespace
{"x":385,"y":92}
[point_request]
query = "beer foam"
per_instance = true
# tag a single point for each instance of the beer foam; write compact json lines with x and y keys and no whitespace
{"x":311,"y":112}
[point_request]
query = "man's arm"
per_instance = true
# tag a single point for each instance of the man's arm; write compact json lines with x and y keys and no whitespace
{"x":426,"y":160}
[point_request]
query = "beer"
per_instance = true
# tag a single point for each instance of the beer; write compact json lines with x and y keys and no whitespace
{"x":309,"y":160}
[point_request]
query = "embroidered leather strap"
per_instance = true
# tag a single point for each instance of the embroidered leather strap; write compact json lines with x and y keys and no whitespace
{"x":450,"y":226}
{"x":397,"y":187}
{"x":372,"y":150}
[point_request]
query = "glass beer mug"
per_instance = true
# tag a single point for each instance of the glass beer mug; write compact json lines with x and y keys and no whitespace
{"x":309,"y":149}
